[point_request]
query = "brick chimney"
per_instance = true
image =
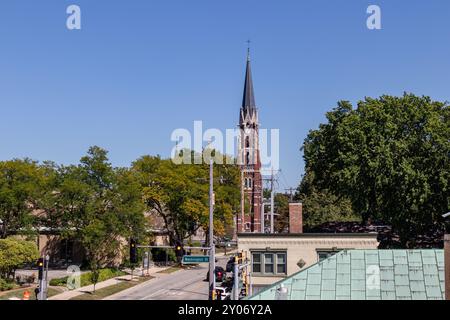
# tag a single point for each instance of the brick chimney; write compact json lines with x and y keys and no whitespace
{"x":295,"y":218}
{"x":447,"y":265}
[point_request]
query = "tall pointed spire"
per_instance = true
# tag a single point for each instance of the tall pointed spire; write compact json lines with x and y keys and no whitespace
{"x":248,"y":101}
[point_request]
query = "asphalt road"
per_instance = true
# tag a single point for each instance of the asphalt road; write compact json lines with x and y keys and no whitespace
{"x":181,"y":285}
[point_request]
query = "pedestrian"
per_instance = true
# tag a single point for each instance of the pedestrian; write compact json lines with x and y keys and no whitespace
{"x":219,"y":295}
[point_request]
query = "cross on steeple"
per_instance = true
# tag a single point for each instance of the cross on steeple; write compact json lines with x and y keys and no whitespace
{"x":248,"y":49}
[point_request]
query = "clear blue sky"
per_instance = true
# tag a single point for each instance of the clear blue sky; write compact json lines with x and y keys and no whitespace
{"x":140,"y":69}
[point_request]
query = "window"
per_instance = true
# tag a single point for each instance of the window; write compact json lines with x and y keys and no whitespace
{"x":256,"y":263}
{"x":269,"y":263}
{"x":281,"y":263}
{"x":247,"y":142}
{"x":323,"y":255}
{"x":248,"y":183}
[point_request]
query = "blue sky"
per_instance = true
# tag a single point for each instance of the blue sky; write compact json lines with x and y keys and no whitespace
{"x":140,"y":69}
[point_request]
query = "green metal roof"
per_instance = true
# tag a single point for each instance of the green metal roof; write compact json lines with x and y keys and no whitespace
{"x":367,"y":275}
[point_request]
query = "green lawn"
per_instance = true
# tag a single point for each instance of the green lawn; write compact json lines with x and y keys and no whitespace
{"x":108,"y":291}
{"x":19,"y":293}
{"x":105,"y":274}
{"x":171,"y":270}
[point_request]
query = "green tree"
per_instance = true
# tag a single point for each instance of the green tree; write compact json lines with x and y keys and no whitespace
{"x":98,"y":205}
{"x":113,"y":211}
{"x":389,"y":157}
{"x":180,"y":195}
{"x":14,"y":254}
{"x":20,"y":182}
{"x":321,"y":206}
{"x":281,"y":223}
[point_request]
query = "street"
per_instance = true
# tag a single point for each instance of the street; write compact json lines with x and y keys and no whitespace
{"x":181,"y":285}
{"x":187,"y":284}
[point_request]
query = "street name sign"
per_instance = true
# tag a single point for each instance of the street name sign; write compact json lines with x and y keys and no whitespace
{"x":195,"y":259}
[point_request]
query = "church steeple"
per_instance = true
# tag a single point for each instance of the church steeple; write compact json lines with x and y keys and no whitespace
{"x":248,"y":100}
{"x":250,"y":161}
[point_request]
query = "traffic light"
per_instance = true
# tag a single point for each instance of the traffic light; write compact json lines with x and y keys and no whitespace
{"x":40,"y":265}
{"x":240,"y":257}
{"x":133,"y":251}
{"x":179,"y":251}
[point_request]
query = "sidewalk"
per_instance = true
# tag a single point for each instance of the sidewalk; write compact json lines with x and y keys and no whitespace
{"x":67,"y":295}
{"x":229,"y":253}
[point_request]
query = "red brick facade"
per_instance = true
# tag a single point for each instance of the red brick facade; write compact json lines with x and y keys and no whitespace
{"x":295,"y":218}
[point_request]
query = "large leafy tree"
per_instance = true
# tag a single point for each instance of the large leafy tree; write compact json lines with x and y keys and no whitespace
{"x":110,"y":208}
{"x":179,"y":195}
{"x":96,"y":204}
{"x":390,"y":157}
{"x":20,"y":182}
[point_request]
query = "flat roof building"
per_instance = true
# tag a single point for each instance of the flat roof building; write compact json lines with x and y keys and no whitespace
{"x":274,"y":257}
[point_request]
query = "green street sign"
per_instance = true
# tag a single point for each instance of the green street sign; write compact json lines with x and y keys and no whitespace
{"x":195,"y":259}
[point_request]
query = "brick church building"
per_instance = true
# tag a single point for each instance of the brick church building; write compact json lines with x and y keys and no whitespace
{"x":249,"y":219}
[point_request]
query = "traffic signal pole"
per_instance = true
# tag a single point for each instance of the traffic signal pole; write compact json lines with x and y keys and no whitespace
{"x":212,"y":258}
{"x":236,"y":280}
{"x":41,"y":269}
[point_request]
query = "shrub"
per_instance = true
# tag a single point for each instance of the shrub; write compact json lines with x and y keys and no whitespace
{"x":6,"y":285}
{"x":14,"y":254}
{"x":59,"y":282}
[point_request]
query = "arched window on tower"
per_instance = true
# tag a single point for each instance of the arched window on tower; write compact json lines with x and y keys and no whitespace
{"x":247,"y":158}
{"x":247,"y":142}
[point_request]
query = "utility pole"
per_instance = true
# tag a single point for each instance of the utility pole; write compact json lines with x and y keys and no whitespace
{"x":212,"y":258}
{"x":272,"y":202}
{"x":291,"y":193}
{"x":236,"y":279}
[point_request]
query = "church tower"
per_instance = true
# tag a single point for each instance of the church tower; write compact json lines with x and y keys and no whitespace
{"x":249,"y":219}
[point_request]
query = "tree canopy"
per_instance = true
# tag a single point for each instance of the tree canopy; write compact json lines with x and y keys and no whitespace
{"x":390,"y":157}
{"x":20,"y":182}
{"x":180,"y":195}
